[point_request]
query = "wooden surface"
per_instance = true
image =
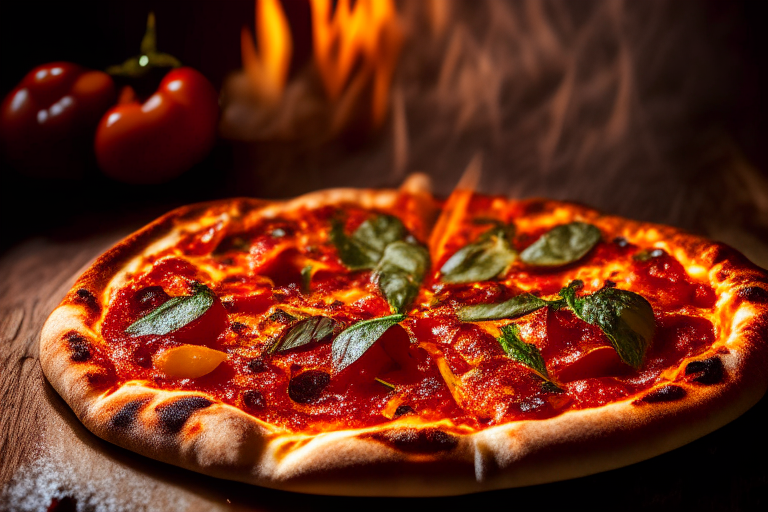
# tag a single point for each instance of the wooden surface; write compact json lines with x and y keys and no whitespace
{"x":47,"y":456}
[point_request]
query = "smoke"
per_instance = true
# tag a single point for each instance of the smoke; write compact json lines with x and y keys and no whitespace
{"x":616,"y":104}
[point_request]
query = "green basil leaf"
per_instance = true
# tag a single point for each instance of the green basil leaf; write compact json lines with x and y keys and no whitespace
{"x":401,"y":271}
{"x":309,"y":330}
{"x":355,"y":340}
{"x":489,"y":256}
{"x":562,"y":245}
{"x":625,"y":317}
{"x":377,"y":233}
{"x":365,"y":247}
{"x":524,"y":353}
{"x":174,"y":314}
{"x":353,"y":254}
{"x":515,"y":307}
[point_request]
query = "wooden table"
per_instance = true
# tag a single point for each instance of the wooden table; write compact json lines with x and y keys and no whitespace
{"x":47,"y":455}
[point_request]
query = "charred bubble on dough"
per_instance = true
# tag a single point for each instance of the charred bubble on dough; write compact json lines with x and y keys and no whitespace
{"x":127,"y":415}
{"x":172,"y":416}
{"x":710,"y":371}
{"x":80,"y":348}
{"x":412,"y":440}
{"x":668,"y":393}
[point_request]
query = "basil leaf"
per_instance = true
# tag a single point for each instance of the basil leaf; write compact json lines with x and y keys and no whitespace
{"x":481,"y":260}
{"x":365,"y":247}
{"x":353,"y":254}
{"x":562,"y":245}
{"x":174,"y":314}
{"x":401,"y":271}
{"x":309,"y":330}
{"x":524,"y":353}
{"x":377,"y":233}
{"x":355,"y":340}
{"x":515,"y":307}
{"x":625,"y":317}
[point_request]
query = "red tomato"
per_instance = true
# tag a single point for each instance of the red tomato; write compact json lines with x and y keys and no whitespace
{"x":48,"y":120}
{"x":158,"y":140}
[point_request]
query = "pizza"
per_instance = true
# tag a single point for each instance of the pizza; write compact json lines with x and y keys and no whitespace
{"x":386,"y":342}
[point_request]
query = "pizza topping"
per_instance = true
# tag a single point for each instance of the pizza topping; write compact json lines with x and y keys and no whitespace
{"x":254,"y":400}
{"x":307,"y":386}
{"x":706,"y":371}
{"x":257,"y":365}
{"x":355,"y":340}
{"x":487,"y":257}
{"x":175,"y":313}
{"x":381,"y":244}
{"x":400,"y":271}
{"x":562,"y":245}
{"x":437,"y":364}
{"x":366,"y":246}
{"x":402,"y":410}
{"x":188,"y":361}
{"x":149,"y":298}
{"x":625,"y":317}
{"x":518,"y":306}
{"x":310,"y":330}
{"x":646,"y":255}
{"x":524,"y":353}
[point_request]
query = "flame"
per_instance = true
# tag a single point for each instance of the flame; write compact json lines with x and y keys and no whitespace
{"x":267,"y":69}
{"x":357,"y":43}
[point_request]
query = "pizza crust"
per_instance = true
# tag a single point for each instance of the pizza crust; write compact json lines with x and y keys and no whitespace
{"x":405,"y":457}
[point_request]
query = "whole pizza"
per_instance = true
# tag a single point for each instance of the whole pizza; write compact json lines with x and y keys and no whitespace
{"x":386,"y":342}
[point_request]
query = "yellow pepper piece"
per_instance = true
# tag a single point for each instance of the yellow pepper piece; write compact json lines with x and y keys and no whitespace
{"x":188,"y":361}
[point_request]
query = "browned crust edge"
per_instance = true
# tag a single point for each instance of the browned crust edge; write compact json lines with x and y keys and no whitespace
{"x":406,"y":458}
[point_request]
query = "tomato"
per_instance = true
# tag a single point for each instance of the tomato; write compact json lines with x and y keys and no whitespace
{"x":159,"y":139}
{"x":48,"y":120}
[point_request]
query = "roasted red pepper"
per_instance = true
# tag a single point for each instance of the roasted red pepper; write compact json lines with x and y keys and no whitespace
{"x":48,"y":120}
{"x":159,"y":139}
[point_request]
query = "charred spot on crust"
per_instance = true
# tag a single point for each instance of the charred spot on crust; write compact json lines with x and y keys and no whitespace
{"x":127,"y":414}
{"x":706,"y":371}
{"x":754,"y":294}
{"x":307,"y":387}
{"x":668,"y":393}
{"x":174,"y":415}
{"x":621,"y":241}
{"x":79,"y":347}
{"x":402,"y":410}
{"x":87,"y":299}
{"x":254,"y":400}
{"x":411,"y":440}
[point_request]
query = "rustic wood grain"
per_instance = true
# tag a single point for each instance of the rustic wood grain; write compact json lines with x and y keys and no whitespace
{"x":47,"y":455}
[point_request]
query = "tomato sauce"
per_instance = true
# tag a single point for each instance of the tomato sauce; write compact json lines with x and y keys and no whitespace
{"x":432,"y":365}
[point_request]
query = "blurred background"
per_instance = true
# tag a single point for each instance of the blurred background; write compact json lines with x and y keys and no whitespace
{"x":655,"y":110}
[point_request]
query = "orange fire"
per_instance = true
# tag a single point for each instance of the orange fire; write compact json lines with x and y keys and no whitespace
{"x":267,"y":68}
{"x":356,"y":48}
{"x":360,"y":42}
